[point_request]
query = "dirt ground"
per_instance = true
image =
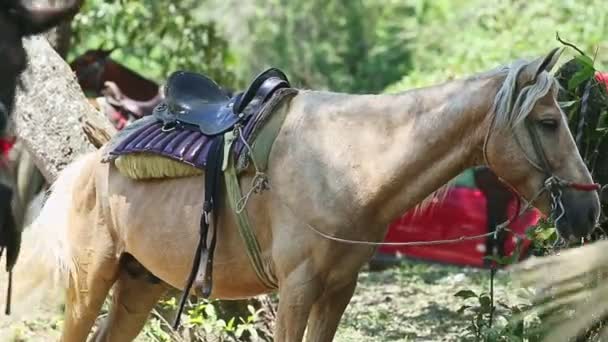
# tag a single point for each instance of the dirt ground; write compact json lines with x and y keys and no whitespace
{"x":411,"y":302}
{"x":416,"y":302}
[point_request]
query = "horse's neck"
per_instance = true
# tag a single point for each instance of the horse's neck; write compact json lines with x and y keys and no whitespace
{"x":389,"y":152}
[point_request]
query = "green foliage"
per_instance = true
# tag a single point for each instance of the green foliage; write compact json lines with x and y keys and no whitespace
{"x":202,"y":322}
{"x":342,"y":45}
{"x":153,"y":37}
{"x":459,"y":38}
{"x":502,"y":322}
{"x":544,"y":237}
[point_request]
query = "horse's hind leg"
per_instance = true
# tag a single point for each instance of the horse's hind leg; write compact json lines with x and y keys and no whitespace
{"x":88,"y":288}
{"x":134,"y":296}
{"x":326,"y":313}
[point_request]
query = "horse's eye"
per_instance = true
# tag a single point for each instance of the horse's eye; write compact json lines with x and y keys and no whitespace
{"x":549,"y":124}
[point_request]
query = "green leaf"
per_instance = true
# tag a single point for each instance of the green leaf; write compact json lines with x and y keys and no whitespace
{"x":239,"y":331}
{"x":465,"y":294}
{"x":544,"y":234}
{"x":210,"y":311}
{"x":463,"y":308}
{"x":485,"y":301}
{"x":254,"y":334}
{"x":198,"y":320}
{"x":580,"y":77}
{"x":567,"y":104}
{"x":585,"y":61}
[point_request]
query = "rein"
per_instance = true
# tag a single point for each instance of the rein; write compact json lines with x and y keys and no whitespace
{"x":503,"y":226}
{"x":552,"y":184}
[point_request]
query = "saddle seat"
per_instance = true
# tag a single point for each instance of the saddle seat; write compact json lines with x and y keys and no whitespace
{"x":194,"y":99}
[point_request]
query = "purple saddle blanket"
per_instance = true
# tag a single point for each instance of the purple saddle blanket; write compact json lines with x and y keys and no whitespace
{"x":186,"y":145}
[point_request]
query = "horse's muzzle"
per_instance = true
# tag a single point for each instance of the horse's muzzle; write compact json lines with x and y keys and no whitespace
{"x":581,"y":213}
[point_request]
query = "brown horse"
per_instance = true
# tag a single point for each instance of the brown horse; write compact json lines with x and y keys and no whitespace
{"x":119,"y":92}
{"x":345,"y":165}
{"x":95,"y":67}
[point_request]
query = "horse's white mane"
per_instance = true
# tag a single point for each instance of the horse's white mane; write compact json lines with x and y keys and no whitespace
{"x":511,"y":106}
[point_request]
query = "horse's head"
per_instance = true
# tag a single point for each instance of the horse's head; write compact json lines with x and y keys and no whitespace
{"x":17,"y":20}
{"x":89,"y":68}
{"x":529,"y":145}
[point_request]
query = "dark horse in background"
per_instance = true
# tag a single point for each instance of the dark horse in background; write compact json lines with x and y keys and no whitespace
{"x":18,"y":20}
{"x":119,"y":92}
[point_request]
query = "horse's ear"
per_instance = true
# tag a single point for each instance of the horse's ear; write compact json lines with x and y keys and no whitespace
{"x":550,"y":60}
{"x":536,"y":67}
{"x":106,"y":53}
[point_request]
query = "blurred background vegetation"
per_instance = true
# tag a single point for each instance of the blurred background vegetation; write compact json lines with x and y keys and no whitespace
{"x":356,"y":46}
{"x":340,"y":45}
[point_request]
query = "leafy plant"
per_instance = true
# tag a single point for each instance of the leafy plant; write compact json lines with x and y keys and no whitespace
{"x":153,"y":37}
{"x":202,"y":322}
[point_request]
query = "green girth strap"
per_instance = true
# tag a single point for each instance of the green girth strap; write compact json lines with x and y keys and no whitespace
{"x":260,"y":147}
{"x":246,"y":231}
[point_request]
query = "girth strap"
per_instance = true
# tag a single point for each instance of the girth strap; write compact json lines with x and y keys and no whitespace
{"x":203,"y":258}
{"x":245,"y":227}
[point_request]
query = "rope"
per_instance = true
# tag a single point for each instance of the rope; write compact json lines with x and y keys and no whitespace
{"x":259,"y":182}
{"x":501,"y":227}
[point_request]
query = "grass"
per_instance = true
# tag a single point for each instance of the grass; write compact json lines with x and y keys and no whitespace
{"x":413,"y":301}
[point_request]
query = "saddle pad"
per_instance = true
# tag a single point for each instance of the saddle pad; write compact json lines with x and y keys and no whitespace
{"x":144,"y":150}
{"x":184,"y":145}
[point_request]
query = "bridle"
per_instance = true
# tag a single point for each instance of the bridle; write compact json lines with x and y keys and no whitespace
{"x":552,"y":183}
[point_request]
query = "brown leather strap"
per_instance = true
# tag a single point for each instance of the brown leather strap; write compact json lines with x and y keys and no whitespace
{"x":203,"y":258}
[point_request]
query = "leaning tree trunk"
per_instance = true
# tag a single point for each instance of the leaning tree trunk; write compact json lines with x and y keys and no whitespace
{"x":57,"y":124}
{"x":50,"y":111}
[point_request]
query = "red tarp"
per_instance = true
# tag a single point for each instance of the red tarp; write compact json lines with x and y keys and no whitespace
{"x":461,"y":213}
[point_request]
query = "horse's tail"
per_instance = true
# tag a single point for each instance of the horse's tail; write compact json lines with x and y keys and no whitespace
{"x":40,"y":275}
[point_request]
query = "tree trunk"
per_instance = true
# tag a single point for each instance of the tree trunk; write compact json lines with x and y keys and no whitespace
{"x":56,"y":124}
{"x":50,"y":111}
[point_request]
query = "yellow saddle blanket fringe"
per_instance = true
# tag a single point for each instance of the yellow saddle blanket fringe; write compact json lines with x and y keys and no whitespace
{"x":142,"y":166}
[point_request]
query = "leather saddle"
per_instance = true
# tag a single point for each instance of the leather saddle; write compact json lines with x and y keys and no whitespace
{"x":196,"y":100}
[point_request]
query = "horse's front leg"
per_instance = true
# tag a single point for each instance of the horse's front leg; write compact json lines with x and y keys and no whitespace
{"x":297,"y":294}
{"x":327,"y":311}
